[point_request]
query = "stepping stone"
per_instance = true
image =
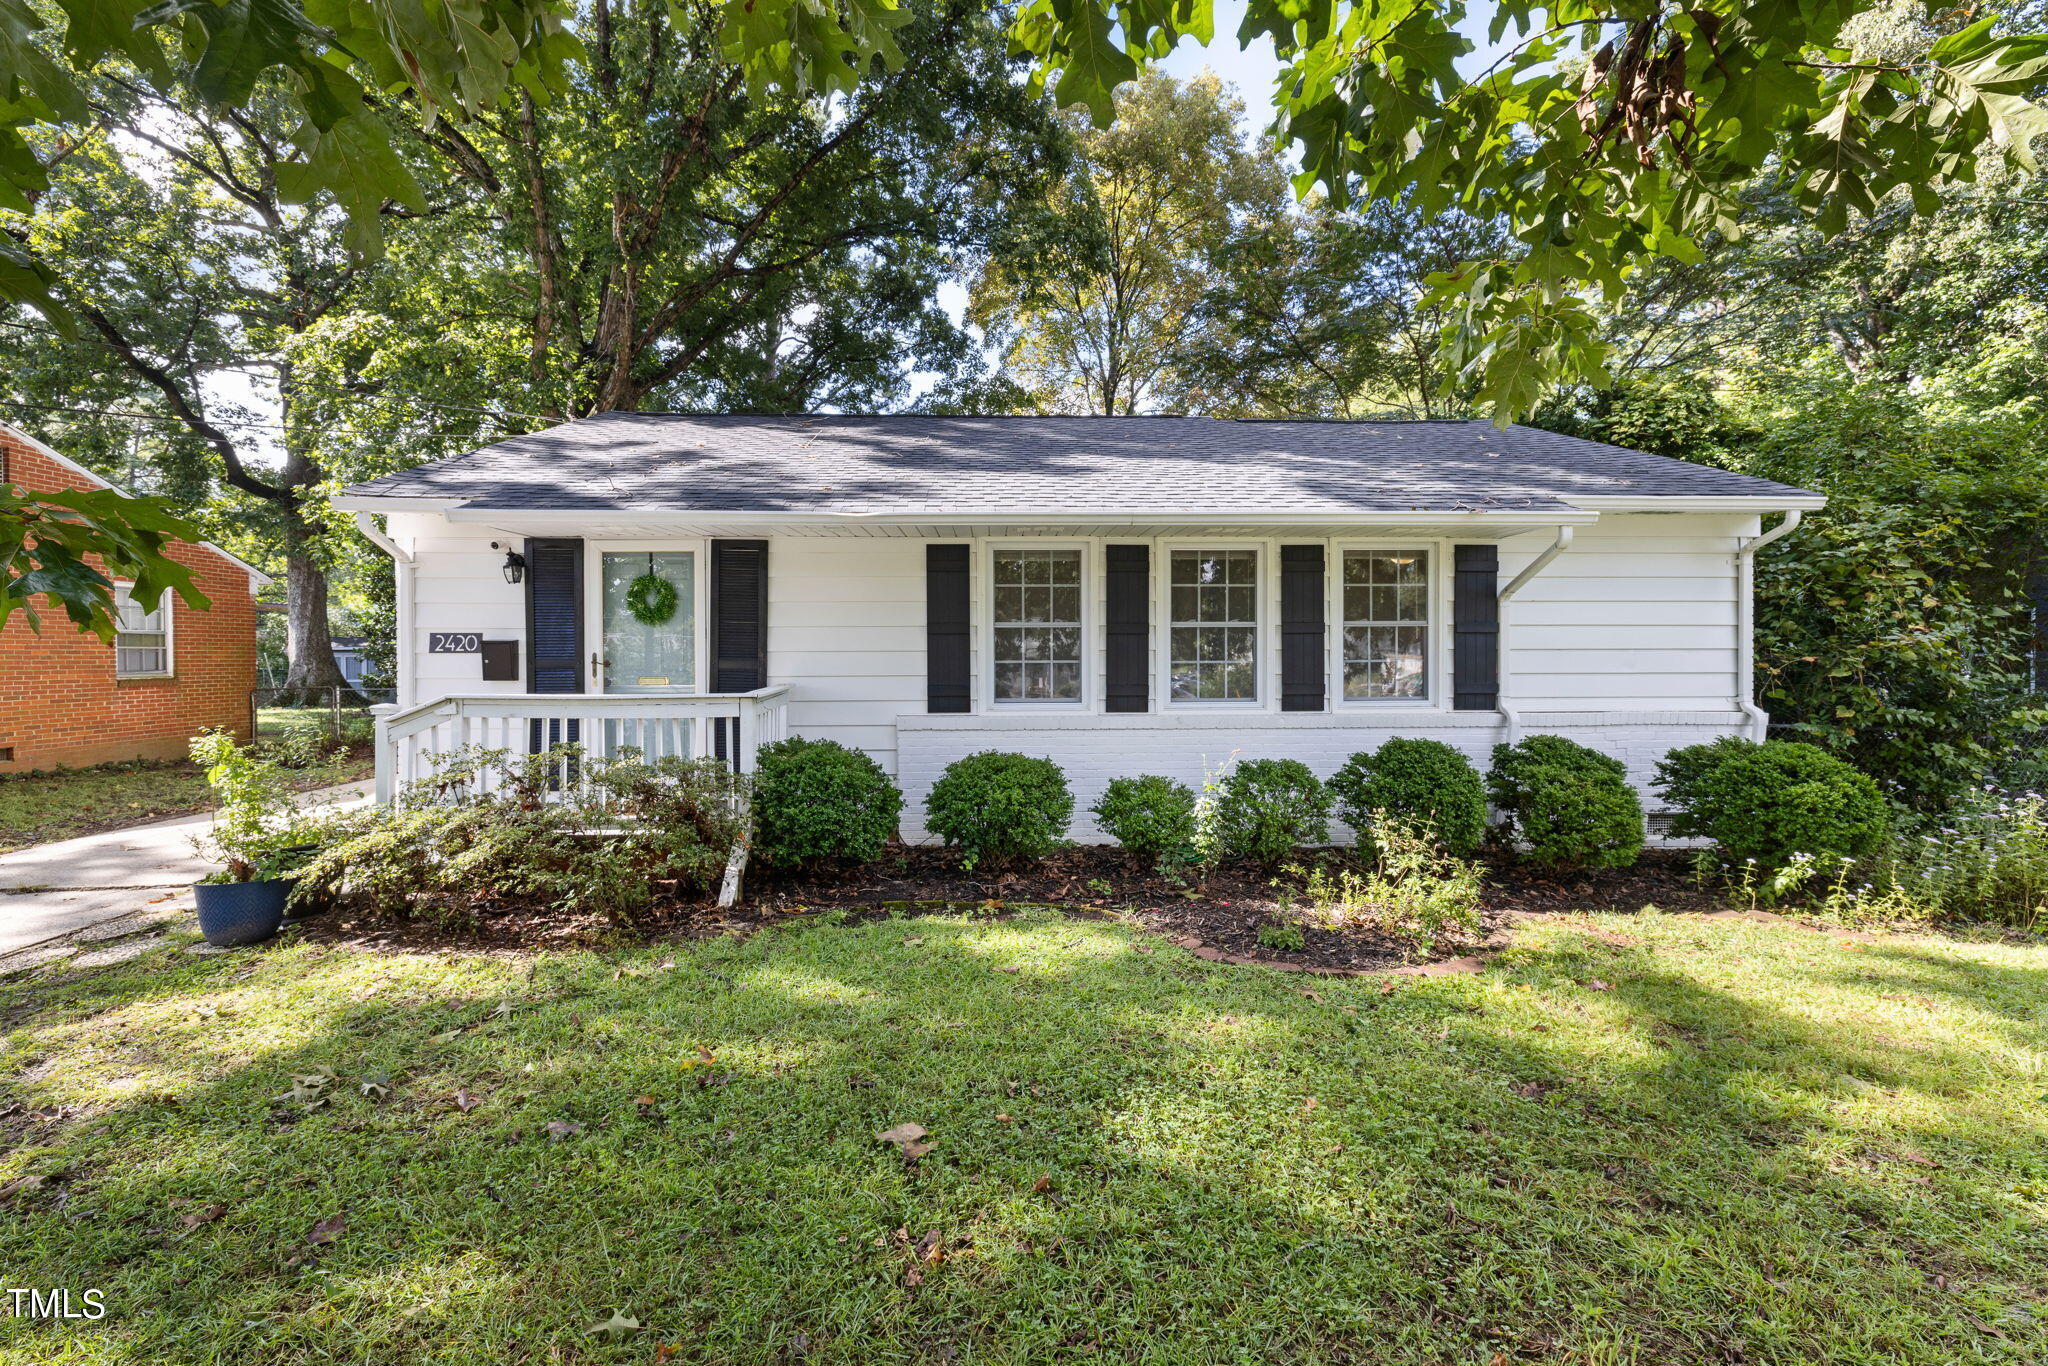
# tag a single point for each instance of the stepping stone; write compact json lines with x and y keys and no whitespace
{"x":30,"y":959}
{"x":116,"y":953}
{"x":205,"y":950}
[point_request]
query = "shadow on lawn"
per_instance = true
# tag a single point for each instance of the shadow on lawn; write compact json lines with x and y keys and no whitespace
{"x":1235,"y":1165}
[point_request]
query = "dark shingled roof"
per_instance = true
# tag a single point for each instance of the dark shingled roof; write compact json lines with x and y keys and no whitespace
{"x":909,"y":464}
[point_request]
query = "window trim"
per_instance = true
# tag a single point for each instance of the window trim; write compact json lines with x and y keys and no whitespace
{"x":1265,"y":591}
{"x":984,"y":599}
{"x":170,"y":668}
{"x":1436,"y":662}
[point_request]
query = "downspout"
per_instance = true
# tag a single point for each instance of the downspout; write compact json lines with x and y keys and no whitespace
{"x":402,"y":591}
{"x":1745,"y":624}
{"x":1510,"y":717}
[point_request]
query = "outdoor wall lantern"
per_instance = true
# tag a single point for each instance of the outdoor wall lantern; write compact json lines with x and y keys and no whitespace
{"x":515,"y":565}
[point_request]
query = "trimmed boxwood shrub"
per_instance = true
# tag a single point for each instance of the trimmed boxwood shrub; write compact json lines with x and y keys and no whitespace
{"x":1418,"y":783}
{"x":1680,"y":773}
{"x":817,"y":801}
{"x":1784,"y":798}
{"x":1572,"y":806}
{"x":1268,"y":808}
{"x":1152,"y":817}
{"x":999,"y":808}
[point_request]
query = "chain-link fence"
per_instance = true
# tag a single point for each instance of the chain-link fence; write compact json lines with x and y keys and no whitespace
{"x":337,"y":716}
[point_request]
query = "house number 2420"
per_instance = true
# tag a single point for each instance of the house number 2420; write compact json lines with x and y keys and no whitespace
{"x":454,"y":642}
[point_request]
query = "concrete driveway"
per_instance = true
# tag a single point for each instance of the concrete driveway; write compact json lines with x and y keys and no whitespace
{"x":52,"y":889}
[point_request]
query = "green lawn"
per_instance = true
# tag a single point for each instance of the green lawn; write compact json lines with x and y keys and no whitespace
{"x":1756,"y":1144}
{"x":36,"y":808}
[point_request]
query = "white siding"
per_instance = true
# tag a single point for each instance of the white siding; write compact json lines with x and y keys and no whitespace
{"x":1627,"y":641}
{"x":1639,"y":614}
{"x":846,"y":632}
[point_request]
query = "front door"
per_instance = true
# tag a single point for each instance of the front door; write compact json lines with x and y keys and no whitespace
{"x":648,"y":602}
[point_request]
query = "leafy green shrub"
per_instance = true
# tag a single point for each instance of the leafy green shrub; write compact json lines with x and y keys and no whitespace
{"x":1268,"y":808}
{"x":257,"y":831}
{"x":1150,"y":816}
{"x":1986,"y":861}
{"x":816,"y":801}
{"x":301,"y":744}
{"x":1680,"y":773}
{"x":1412,"y":890}
{"x":1283,"y":935}
{"x":1417,"y":783}
{"x":1784,"y":798}
{"x":998,"y":808}
{"x":1572,"y":806}
{"x":554,"y":830}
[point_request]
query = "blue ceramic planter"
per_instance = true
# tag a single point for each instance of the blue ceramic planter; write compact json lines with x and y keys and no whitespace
{"x":235,"y":913}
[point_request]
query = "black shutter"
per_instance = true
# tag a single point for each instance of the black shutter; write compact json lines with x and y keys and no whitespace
{"x":946,"y":654}
{"x":1127,"y":574}
{"x":739,"y":615}
{"x":554,"y":614}
{"x":1304,"y":671}
{"x":1475,"y":628}
{"x":554,"y":632}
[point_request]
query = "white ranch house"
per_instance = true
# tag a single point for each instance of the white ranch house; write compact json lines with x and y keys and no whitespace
{"x":1121,"y":595}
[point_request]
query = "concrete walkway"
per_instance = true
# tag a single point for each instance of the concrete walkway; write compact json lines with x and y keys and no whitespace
{"x":52,"y":889}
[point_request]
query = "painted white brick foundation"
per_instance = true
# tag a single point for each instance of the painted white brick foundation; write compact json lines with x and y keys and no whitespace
{"x":1094,"y":749}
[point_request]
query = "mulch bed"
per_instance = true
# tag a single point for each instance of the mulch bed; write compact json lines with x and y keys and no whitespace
{"x":1218,"y":919}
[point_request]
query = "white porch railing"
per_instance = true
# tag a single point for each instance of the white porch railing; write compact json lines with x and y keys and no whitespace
{"x":731,"y":726}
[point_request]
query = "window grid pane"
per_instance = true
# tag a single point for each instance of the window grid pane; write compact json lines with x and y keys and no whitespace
{"x":1386,"y":624}
{"x":1214,"y":629}
{"x":1037,"y":625}
{"x":141,"y":645}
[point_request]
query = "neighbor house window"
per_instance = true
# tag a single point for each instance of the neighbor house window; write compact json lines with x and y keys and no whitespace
{"x":142,"y":640}
{"x":1386,"y":624}
{"x":1213,"y":627}
{"x":1037,"y":625}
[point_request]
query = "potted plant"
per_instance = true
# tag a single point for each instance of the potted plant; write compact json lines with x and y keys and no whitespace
{"x":258,"y":836}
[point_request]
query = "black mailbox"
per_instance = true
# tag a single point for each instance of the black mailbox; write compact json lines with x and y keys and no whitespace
{"x":501,"y":661}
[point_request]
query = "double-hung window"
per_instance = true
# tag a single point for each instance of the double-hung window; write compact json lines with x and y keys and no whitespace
{"x":1386,"y":624}
{"x":1213,"y":626}
{"x":1037,"y":625}
{"x":142,"y":640}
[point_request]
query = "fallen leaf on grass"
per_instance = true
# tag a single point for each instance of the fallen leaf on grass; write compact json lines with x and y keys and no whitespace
{"x":1312,"y":996}
{"x":560,"y":1129}
{"x":1041,"y":1185}
{"x":913,"y":939}
{"x":905,"y":1137}
{"x":618,"y":1325}
{"x":1002,"y":1118}
{"x":913,"y":1151}
{"x":1597,"y":985}
{"x":206,"y":1214}
{"x":1532,"y":1090}
{"x":1141,"y":948}
{"x":465,"y":1102}
{"x":328,"y":1229}
{"x":1009,"y":969}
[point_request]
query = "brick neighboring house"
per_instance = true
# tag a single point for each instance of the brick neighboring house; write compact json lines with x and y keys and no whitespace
{"x":69,"y":699}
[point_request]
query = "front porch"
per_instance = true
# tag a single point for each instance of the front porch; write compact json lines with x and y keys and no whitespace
{"x":728,"y":726}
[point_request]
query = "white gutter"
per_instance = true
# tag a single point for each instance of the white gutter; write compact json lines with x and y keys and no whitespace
{"x":569,"y":519}
{"x":1510,"y":717}
{"x":403,"y":568}
{"x":1745,"y":623}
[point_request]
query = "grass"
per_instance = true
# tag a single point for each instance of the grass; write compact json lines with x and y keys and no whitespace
{"x":1632,"y":1139}
{"x":39,"y":807}
{"x":60,"y":804}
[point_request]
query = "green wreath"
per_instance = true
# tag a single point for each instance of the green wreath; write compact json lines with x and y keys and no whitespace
{"x":651,"y":599}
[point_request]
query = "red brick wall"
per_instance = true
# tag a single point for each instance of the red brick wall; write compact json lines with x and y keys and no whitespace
{"x":60,"y":703}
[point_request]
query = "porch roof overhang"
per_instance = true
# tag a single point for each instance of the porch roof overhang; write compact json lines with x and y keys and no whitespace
{"x":952,"y":523}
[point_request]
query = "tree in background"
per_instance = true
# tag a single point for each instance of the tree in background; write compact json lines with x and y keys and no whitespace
{"x":1326,"y":313}
{"x":1106,"y":317}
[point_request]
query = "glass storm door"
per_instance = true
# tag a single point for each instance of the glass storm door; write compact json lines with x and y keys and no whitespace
{"x":644,"y":657}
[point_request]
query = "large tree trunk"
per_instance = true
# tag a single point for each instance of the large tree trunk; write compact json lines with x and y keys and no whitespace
{"x":311,"y":674}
